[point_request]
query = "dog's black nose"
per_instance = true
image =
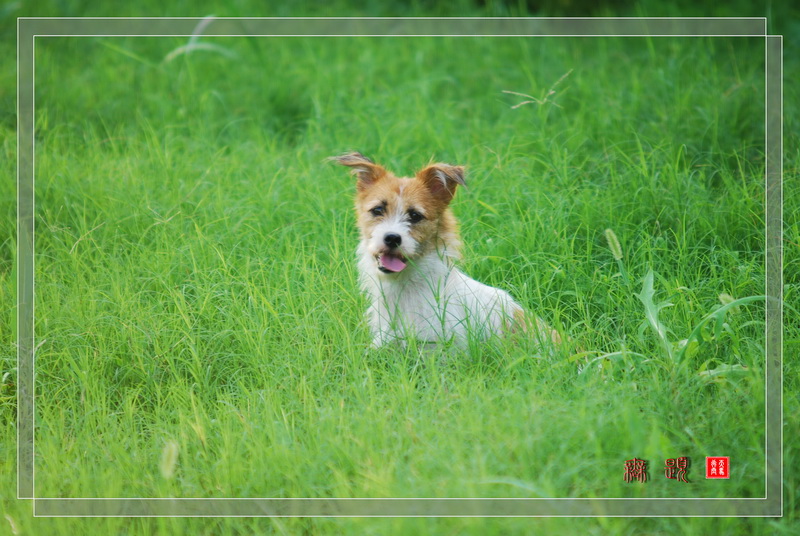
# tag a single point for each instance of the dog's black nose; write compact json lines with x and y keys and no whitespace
{"x":392,"y":240}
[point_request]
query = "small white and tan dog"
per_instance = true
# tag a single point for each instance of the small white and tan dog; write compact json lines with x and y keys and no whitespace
{"x":409,"y":242}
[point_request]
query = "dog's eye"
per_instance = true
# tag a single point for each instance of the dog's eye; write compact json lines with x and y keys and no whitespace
{"x":376,"y":211}
{"x":414,"y":216}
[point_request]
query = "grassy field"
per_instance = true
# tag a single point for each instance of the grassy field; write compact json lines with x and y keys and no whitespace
{"x":199,"y":324}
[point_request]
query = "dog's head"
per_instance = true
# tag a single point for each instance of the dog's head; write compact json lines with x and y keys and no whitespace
{"x":404,"y":218}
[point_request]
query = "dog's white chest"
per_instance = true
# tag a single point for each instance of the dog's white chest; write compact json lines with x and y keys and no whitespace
{"x":433,"y":302}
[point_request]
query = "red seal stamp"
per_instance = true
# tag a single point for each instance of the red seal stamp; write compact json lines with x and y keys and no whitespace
{"x":718,"y":466}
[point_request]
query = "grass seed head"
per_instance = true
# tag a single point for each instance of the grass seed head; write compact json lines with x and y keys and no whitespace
{"x":169,"y":459}
{"x":613,"y":244}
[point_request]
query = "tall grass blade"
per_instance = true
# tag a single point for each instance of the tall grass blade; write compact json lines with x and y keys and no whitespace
{"x":651,"y":310}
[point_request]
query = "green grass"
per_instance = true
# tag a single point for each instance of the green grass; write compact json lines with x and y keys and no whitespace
{"x":199,"y":324}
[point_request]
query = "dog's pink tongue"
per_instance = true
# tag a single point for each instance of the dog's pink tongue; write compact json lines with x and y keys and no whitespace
{"x":391,"y":263}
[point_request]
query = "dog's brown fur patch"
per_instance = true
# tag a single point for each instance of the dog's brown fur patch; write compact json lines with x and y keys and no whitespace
{"x":428,"y":193}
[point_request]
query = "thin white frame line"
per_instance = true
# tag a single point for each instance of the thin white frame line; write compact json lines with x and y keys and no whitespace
{"x":19,"y":272}
{"x":334,"y":499}
{"x":780,"y":311}
{"x":766,"y":261}
{"x":764,"y":19}
{"x":33,"y":164}
{"x":395,"y":515}
{"x":765,"y":498}
{"x":779,"y":252}
{"x":208,"y":36}
{"x":767,"y":252}
{"x":19,"y":279}
{"x":33,"y":268}
{"x":766,"y":265}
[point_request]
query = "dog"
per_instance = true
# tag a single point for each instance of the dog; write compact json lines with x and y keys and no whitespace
{"x":409,"y":245}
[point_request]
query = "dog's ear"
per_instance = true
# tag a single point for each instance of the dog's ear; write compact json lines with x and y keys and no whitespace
{"x":442,"y":179}
{"x":365,"y":169}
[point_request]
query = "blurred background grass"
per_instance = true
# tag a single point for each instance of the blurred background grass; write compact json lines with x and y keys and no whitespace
{"x":198,"y":121}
